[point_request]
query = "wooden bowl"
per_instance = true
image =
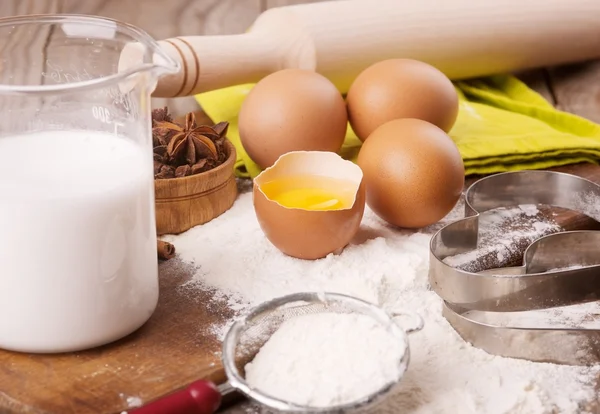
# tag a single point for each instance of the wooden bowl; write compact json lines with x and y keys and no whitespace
{"x":182,"y":203}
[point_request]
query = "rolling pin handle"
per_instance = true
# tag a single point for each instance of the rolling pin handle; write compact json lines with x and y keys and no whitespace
{"x":214,"y":62}
{"x":200,"y":397}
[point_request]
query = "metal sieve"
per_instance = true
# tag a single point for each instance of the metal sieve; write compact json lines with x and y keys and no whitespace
{"x":248,"y":335}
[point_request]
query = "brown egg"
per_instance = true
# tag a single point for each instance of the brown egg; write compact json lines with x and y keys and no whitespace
{"x":413,"y":172}
{"x":292,"y":110}
{"x":400,"y":88}
{"x":309,"y":203}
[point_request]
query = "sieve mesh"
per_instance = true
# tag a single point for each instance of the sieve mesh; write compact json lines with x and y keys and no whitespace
{"x":247,"y":336}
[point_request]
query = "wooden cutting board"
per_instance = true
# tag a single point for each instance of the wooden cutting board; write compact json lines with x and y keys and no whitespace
{"x":171,"y":350}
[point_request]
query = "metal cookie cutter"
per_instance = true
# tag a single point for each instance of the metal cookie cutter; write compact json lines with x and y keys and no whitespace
{"x":558,"y":270}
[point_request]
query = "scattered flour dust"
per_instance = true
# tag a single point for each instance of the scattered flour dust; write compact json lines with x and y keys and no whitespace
{"x":387,"y":267}
{"x":503,"y":234}
{"x":358,"y":356}
{"x":132,"y":402}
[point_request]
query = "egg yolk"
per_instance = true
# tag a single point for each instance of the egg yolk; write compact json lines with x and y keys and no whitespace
{"x":311,"y":192}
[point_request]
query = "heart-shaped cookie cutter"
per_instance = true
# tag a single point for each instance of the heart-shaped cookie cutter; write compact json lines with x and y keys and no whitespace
{"x":558,"y":270}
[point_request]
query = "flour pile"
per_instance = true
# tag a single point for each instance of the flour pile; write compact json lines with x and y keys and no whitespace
{"x":357,"y":356}
{"x":387,"y":267}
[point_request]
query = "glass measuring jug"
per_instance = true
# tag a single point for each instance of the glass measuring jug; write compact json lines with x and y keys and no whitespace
{"x":78,"y":265}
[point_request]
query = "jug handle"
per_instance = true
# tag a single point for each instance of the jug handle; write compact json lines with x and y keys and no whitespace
{"x":200,"y":397}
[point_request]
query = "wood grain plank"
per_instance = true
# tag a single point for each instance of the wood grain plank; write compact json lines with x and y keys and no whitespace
{"x":24,"y":7}
{"x":163,"y":19}
{"x":538,"y":80}
{"x":278,"y":3}
{"x":22,"y":60}
{"x":577,"y":89}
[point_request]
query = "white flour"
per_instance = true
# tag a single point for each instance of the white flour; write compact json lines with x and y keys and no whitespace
{"x":357,"y":357}
{"x":132,"y":402}
{"x":387,"y":267}
{"x":503,"y":234}
{"x":588,"y":203}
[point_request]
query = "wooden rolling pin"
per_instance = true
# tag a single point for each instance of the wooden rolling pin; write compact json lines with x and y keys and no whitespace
{"x":463,"y":38}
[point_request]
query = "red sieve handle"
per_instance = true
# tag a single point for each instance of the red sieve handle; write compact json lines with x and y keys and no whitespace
{"x":200,"y":397}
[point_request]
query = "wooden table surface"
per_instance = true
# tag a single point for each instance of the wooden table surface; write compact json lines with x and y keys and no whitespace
{"x":574,"y":88}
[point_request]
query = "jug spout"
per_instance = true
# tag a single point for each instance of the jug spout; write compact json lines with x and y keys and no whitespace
{"x":170,"y":60}
{"x":148,"y":55}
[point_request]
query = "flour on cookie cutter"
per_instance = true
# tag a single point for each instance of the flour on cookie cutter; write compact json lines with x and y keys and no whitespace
{"x":558,"y":270}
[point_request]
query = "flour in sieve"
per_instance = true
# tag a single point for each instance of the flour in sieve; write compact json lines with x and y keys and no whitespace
{"x":327,"y":359}
{"x":388,"y":267}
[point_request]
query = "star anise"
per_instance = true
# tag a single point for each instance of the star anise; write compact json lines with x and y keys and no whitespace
{"x":164,"y":171}
{"x":187,"y":149}
{"x":189,"y":142}
{"x":160,"y":136}
{"x":161,"y":114}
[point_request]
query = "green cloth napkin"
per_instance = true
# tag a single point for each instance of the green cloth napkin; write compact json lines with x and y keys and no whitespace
{"x":502,"y":125}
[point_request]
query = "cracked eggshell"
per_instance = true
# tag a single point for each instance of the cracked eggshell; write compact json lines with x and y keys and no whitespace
{"x":307,"y":234}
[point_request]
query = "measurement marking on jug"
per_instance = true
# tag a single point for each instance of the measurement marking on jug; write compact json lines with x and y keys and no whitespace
{"x":102,"y":114}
